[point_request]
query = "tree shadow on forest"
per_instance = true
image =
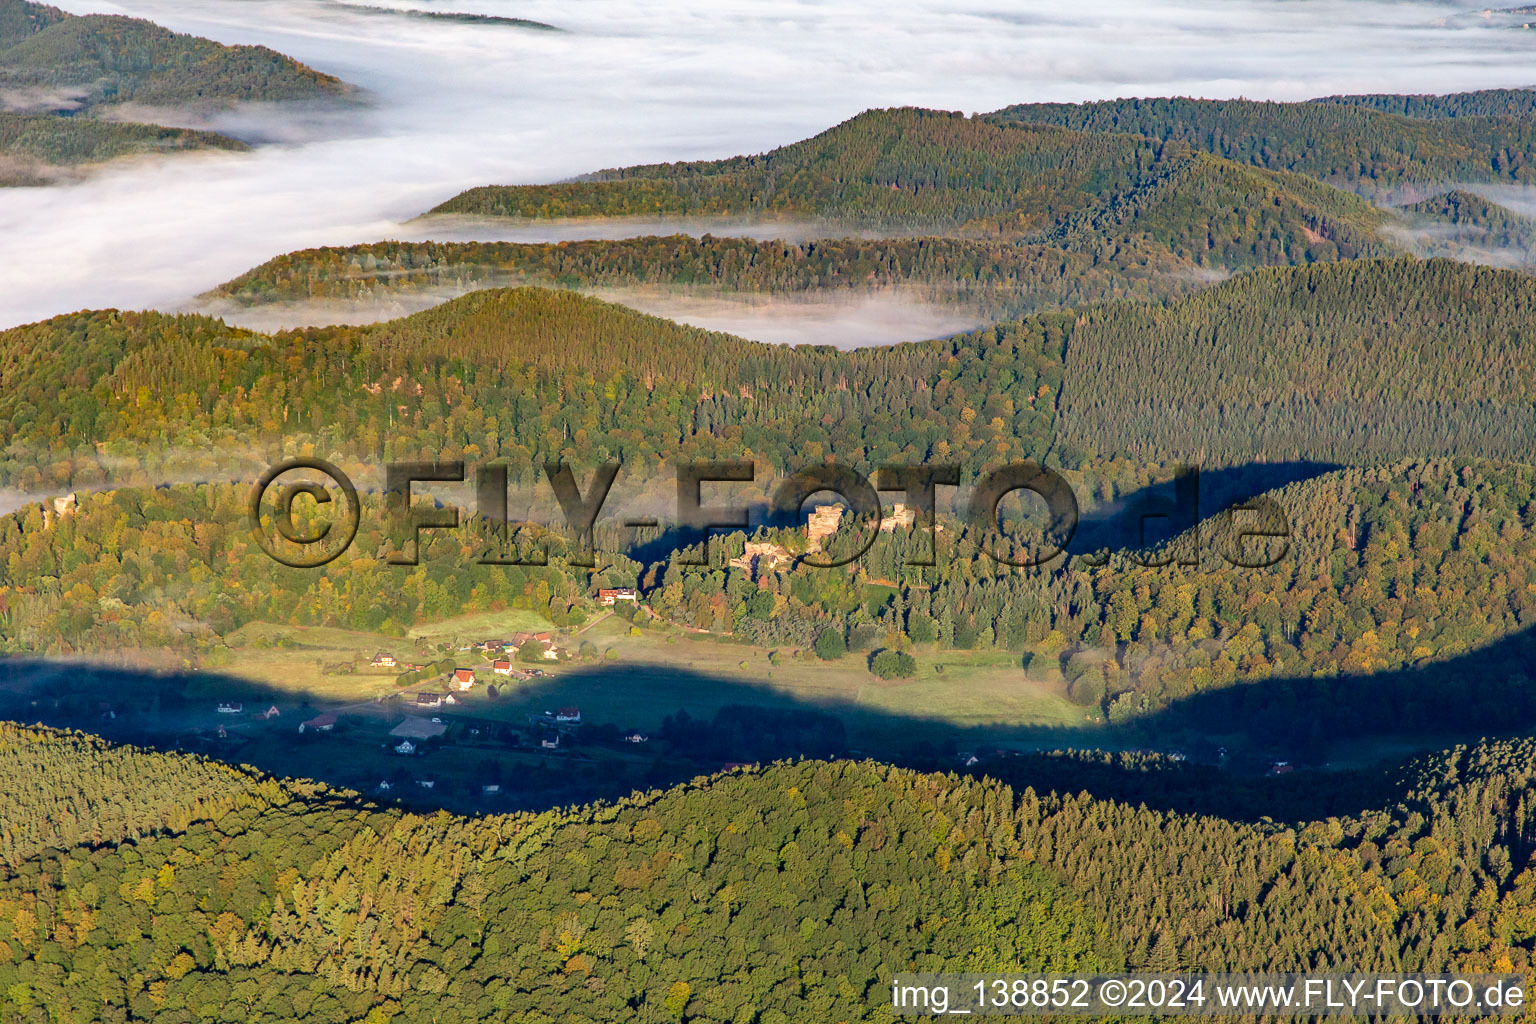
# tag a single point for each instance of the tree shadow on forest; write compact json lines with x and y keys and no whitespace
{"x":714,"y":721}
{"x":1159,"y":512}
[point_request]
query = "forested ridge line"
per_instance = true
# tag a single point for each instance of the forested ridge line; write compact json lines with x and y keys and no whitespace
{"x":519,"y":375}
{"x":1000,"y":278}
{"x":41,"y":144}
{"x":1482,"y":103}
{"x":1360,"y":146}
{"x":1362,"y":360}
{"x":794,"y":889}
{"x":59,"y":70}
{"x":108,"y":58}
{"x":933,"y":172}
{"x":526,"y":373}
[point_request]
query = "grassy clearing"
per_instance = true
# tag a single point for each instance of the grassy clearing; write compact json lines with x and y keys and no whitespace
{"x":480,"y":626}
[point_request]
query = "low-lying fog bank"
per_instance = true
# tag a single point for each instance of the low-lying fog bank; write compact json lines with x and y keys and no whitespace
{"x":456,"y":104}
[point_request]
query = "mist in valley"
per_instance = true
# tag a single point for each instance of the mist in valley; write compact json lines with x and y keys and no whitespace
{"x":442,"y":105}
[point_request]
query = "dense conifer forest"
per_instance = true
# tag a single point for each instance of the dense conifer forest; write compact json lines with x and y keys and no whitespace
{"x":999,"y":279}
{"x":1379,"y":145}
{"x":287,"y":901}
{"x":933,"y":172}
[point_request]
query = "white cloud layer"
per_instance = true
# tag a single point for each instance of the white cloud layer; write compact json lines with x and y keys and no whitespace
{"x":456,"y":105}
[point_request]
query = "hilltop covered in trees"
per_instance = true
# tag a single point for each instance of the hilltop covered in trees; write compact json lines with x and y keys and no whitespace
{"x":1359,"y":360}
{"x":1456,"y":222}
{"x":43,"y":148}
{"x":67,"y":70}
{"x":524,"y":374}
{"x":1483,"y":103}
{"x":98,"y":59}
{"x":794,"y":891}
{"x":1357,"y":144}
{"x":998,"y":278}
{"x":519,"y":375}
{"x":932,"y":172}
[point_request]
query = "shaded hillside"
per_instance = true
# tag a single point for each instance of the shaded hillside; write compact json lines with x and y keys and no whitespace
{"x":1464,"y":225}
{"x":926,"y":171}
{"x":1338,"y":143}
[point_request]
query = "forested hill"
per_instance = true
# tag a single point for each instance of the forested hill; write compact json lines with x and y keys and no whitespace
{"x":927,"y":171}
{"x":524,"y":373}
{"x":999,"y":279}
{"x":310,"y":906}
{"x":1346,"y":361}
{"x":791,"y":893}
{"x":521,"y":375}
{"x":1452,"y":222}
{"x":1340,"y":143}
{"x":58,"y":71}
{"x":1484,"y":103}
{"x":44,"y":148}
{"x":95,"y":59}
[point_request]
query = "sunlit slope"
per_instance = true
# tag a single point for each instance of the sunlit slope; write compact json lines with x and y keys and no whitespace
{"x":925,"y":171}
{"x":103,"y":59}
{"x":549,"y":372}
{"x":795,"y":891}
{"x":801,"y":888}
{"x":1349,"y":361}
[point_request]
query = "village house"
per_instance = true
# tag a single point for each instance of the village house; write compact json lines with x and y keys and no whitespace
{"x":320,"y":723}
{"x":501,"y":668}
{"x":521,"y":639}
{"x":568,"y":715}
{"x":635,"y":737}
{"x":463,"y":678}
{"x":606,"y":598}
{"x":271,"y":712}
{"x":490,"y":789}
{"x":550,"y":742}
{"x":428,"y":700}
{"x":405,"y":747}
{"x":382,"y":660}
{"x":229,"y":707}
